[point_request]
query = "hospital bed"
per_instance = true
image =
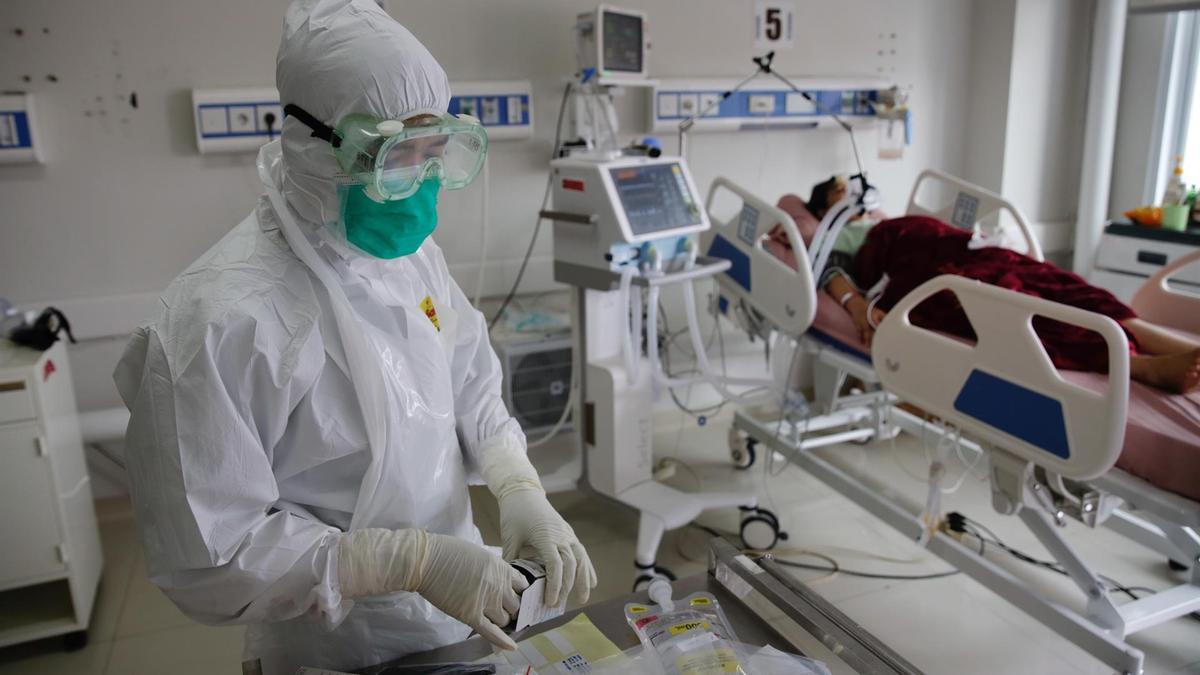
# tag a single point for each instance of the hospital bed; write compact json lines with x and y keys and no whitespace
{"x":1060,"y":445}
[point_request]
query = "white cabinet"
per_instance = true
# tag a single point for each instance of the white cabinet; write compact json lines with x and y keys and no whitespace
{"x":50,"y":557}
{"x":1128,"y":255}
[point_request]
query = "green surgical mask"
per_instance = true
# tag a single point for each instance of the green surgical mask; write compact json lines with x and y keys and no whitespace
{"x":390,"y":229}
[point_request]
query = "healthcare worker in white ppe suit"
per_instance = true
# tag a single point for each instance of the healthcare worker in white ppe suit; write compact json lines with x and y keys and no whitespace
{"x":316,"y":391}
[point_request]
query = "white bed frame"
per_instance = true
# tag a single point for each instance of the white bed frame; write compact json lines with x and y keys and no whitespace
{"x":1076,"y":445}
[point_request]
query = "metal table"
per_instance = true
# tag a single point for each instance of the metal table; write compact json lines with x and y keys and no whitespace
{"x":764,"y":604}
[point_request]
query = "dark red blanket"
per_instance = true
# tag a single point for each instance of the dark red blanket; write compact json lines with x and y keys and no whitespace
{"x":914,"y":249}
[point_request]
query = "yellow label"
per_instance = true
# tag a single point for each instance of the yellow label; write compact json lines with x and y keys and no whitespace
{"x":698,"y":602}
{"x":707,"y":662}
{"x":431,"y":312}
{"x":637,"y":609}
{"x":688,"y":625}
{"x":729,"y":662}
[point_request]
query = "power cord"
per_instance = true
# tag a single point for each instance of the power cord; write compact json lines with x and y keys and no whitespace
{"x":834,"y":567}
{"x":959,"y":523}
{"x":537,"y":228}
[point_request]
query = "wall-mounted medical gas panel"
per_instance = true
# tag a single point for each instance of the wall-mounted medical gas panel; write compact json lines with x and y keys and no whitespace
{"x":236,"y":120}
{"x":504,"y":108}
{"x":18,"y":130}
{"x":241,"y":120}
{"x":765,"y":103}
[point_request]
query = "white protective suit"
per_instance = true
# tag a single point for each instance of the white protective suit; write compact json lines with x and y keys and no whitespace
{"x":292,"y":389}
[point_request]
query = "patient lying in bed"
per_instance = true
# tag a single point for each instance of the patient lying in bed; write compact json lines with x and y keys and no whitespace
{"x":877,"y":261}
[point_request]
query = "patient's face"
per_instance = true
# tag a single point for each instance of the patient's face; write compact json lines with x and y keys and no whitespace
{"x":837,"y":193}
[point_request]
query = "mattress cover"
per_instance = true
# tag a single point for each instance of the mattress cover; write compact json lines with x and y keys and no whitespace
{"x":1162,"y":431}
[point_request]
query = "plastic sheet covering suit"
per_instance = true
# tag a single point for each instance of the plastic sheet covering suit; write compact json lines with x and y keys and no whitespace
{"x":291,"y":389}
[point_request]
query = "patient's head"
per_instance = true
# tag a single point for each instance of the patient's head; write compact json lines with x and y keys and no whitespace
{"x":826,"y":194}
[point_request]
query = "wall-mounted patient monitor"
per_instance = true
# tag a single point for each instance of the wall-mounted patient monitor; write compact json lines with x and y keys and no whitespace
{"x":613,"y":43}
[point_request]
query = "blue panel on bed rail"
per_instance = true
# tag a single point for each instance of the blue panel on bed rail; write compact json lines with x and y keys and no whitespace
{"x":1024,"y":413}
{"x":739,"y":271}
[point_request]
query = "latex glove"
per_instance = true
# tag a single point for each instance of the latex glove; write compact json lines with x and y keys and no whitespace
{"x":458,"y":577}
{"x":529,"y":522}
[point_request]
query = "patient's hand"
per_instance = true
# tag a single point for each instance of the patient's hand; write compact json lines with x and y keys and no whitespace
{"x":859,"y":309}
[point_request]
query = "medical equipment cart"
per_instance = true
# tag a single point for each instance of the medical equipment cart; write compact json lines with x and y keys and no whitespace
{"x":50,"y":558}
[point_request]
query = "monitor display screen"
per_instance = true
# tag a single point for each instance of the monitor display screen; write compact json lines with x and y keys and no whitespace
{"x":622,"y":42}
{"x":655,"y":198}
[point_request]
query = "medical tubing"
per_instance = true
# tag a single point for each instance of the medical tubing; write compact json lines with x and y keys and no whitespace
{"x":627,"y":338}
{"x":652,"y":341}
{"x":825,"y":110}
{"x":871,"y":312}
{"x":830,"y":238}
{"x":718,"y":380}
{"x":635,"y":331}
{"x":562,"y":419}
{"x":660,"y":592}
{"x":1056,"y":484}
{"x":537,"y":226}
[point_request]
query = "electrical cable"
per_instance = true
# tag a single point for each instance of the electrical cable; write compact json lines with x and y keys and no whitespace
{"x":562,"y":419}
{"x":834,"y":566}
{"x":694,"y":412}
{"x":537,"y":228}
{"x":961,"y":523}
{"x":869,"y":575}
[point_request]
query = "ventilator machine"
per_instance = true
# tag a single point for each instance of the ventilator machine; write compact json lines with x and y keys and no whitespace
{"x":625,"y":224}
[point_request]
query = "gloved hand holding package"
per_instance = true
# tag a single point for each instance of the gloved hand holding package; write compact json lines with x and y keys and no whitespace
{"x":528,"y":523}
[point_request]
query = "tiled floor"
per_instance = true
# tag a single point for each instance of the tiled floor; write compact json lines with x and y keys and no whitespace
{"x":950,"y":625}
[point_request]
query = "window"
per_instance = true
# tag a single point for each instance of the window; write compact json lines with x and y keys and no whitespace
{"x":1187,"y":67}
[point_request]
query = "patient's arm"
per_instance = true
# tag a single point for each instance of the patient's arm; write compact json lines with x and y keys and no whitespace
{"x":842,"y":289}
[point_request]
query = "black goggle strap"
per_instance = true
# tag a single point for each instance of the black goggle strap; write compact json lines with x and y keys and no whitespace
{"x":319,"y":129}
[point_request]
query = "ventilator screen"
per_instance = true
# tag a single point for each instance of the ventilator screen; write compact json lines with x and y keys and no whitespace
{"x":655,"y":198}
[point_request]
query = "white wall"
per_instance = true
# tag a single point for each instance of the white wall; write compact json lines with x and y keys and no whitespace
{"x":990,"y":69}
{"x":1046,"y":105}
{"x":1028,"y":75}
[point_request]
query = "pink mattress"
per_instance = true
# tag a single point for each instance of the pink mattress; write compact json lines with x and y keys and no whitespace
{"x":1162,"y":432}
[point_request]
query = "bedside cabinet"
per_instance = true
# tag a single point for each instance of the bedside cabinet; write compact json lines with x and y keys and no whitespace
{"x":50,"y":556}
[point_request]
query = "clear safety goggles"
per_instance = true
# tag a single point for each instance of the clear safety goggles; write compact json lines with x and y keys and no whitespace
{"x":392,"y":158}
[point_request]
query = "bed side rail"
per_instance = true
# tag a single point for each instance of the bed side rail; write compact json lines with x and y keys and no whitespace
{"x":1156,"y":301}
{"x":972,"y":205}
{"x":785,"y":296}
{"x":1004,"y":391}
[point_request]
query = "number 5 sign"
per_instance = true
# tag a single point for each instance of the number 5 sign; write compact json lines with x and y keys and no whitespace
{"x":773,"y":23}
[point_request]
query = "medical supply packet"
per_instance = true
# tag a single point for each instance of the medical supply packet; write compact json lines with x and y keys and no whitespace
{"x":765,"y":661}
{"x":691,"y":638}
{"x":570,"y":648}
{"x":533,"y":608}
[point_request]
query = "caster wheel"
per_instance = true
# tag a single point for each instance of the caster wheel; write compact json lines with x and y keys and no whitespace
{"x":760,"y":530}
{"x":643,"y":580}
{"x":1176,"y":567}
{"x":744,"y":455}
{"x":73,"y":642}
